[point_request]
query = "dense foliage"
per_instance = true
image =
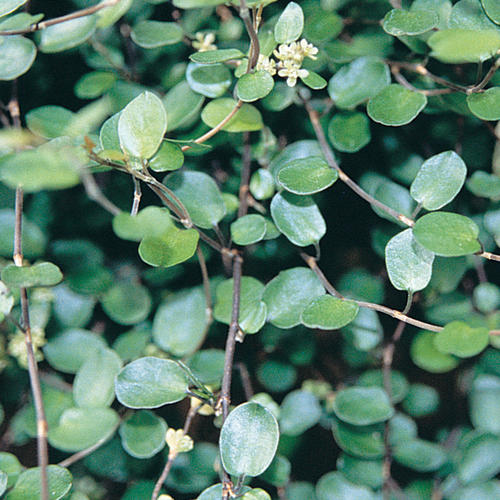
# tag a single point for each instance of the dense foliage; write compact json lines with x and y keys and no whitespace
{"x":247,"y":249}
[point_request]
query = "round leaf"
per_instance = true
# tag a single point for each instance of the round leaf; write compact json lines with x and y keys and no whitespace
{"x":246,"y":119}
{"x":396,"y":105}
{"x":248,"y":440}
{"x":29,"y":487}
{"x":485,"y":403}
{"x":492,"y":9}
{"x":349,"y":132}
{"x":362,"y":405}
{"x":150,"y":382}
{"x":142,"y":125}
{"x":41,"y":274}
{"x":480,"y":460}
{"x":421,"y":400}
{"x":9,"y":6}
{"x":460,"y":339}
{"x":362,"y":442}
{"x":485,"y":105}
{"x":314,"y":81}
{"x":153,"y":34}
{"x":64,"y":36}
{"x":248,"y":229}
{"x":182,"y":105}
{"x":94,"y":84}
{"x":143,"y":434}
{"x":335,"y":486}
{"x":300,"y":410}
{"x":375,"y":378}
{"x":17,"y":54}
{"x":426,"y":356}
{"x":447,"y":234}
{"x":329,"y":313}
{"x":211,"y":81}
{"x":399,"y":22}
{"x":290,"y":24}
{"x":307,"y":175}
{"x":168,"y":157}
{"x":408,"y":263}
{"x":127,"y":303}
{"x":49,"y":121}
{"x":439,"y":180}
{"x":254,"y":86}
{"x":419,"y":455}
{"x":298,"y":218}
{"x":216,"y":56}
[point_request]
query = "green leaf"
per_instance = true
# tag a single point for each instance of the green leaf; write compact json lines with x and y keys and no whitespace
{"x":399,"y":22}
{"x":460,"y":339}
{"x":334,"y":486}
{"x":485,"y":105}
{"x":290,"y":24}
{"x":208,"y":80}
{"x":216,"y":56}
{"x":307,"y":175}
{"x":447,"y":234}
{"x":143,"y":434}
{"x":246,"y":119}
{"x":288,"y":294}
{"x":298,"y":218}
{"x":362,"y":405}
{"x":480,"y":460}
{"x":69,"y":350}
{"x":208,"y":366}
{"x":150,"y":382}
{"x":485,"y":185}
{"x":262,"y":184}
{"x":168,"y":157}
{"x":439,"y":180}
{"x":362,"y":472}
{"x":34,"y":240}
{"x":329,"y":313}
{"x":142,"y":125}
{"x":180,"y":322}
{"x":295,"y":151}
{"x":214,"y":492}
{"x":94,"y":384}
{"x":484,"y":403}
{"x":182,"y":105}
{"x":276,"y":376}
{"x":357,"y":82}
{"x":469,"y":14}
{"x":299,"y":411}
{"x":108,"y":16}
{"x":3,"y":482}
{"x":421,"y":400}
{"x":420,"y":455}
{"x":17,"y":54}
{"x":254,"y":86}
{"x":426,"y":356}
{"x":200,"y":196}
{"x":130,"y":345}
{"x":150,"y":221}
{"x":94,"y":84}
{"x":256,"y":494}
{"x":248,"y":229}
{"x":153,"y":34}
{"x":253,"y":311}
{"x":408,"y":263}
{"x":127,"y":303}
{"x":28,"y":486}
{"x":67,"y":35}
{"x":314,"y":81}
{"x":70,"y":308}
{"x":9,"y":6}
{"x":492,"y":10}
{"x":80,"y":428}
{"x":10,"y":465}
{"x":349,"y":132}
{"x":457,"y":45}
{"x":396,"y":105}
{"x":42,"y":274}
{"x":248,"y":440}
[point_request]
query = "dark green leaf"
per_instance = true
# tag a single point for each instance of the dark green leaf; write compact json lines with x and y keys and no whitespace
{"x":419,"y":455}
{"x":460,"y":339}
{"x":349,"y":132}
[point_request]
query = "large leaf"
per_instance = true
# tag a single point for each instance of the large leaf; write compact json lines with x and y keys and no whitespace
{"x":329,"y":313}
{"x":408,"y":263}
{"x":335,"y":486}
{"x":439,"y":180}
{"x":399,"y":22}
{"x":460,"y":339}
{"x":254,"y":86}
{"x":290,"y":24}
{"x":485,"y":105}
{"x":41,"y":274}
{"x":142,"y":125}
{"x":246,"y":119}
{"x":447,"y":234}
{"x":248,"y":440}
{"x":150,"y":382}
{"x":64,"y":36}
{"x":300,"y":410}
{"x":28,"y":486}
{"x":17,"y":54}
{"x":426,"y":356}
{"x":298,"y":218}
{"x":153,"y":34}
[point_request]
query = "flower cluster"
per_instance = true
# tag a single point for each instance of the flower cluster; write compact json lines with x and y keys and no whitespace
{"x":290,"y":58}
{"x":178,"y":442}
{"x":17,"y":346}
{"x":204,"y":42}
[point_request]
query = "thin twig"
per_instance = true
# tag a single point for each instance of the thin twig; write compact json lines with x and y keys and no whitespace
{"x":95,"y":194}
{"x":245,"y":380}
{"x":254,"y":39}
{"x":58,"y":20}
{"x":489,"y":256}
{"x":330,"y":159}
{"x":103,"y":51}
{"x":206,"y":284}
{"x":489,"y":75}
{"x":427,"y":92}
{"x":137,"y":197}
{"x":245,"y":176}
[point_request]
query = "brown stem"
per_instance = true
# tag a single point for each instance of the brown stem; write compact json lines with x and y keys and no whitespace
{"x":427,"y":92}
{"x":489,"y":256}
{"x":245,"y":380}
{"x":330,"y":159}
{"x":206,"y":284}
{"x":254,"y":39}
{"x":57,"y":20}
{"x":489,"y":75}
{"x":245,"y":176}
{"x":95,"y":194}
{"x":137,"y":197}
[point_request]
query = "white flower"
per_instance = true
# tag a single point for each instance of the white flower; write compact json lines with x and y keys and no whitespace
{"x":266,"y":64}
{"x":291,"y":71}
{"x":290,"y":58}
{"x":308,"y":49}
{"x":204,"y":42}
{"x":178,"y":442}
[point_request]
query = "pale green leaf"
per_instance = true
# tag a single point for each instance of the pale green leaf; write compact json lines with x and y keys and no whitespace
{"x":17,"y":54}
{"x":246,"y":119}
{"x":485,"y":105}
{"x":153,"y":34}
{"x":254,"y":86}
{"x":460,"y":339}
{"x":290,"y":24}
{"x":67,"y":35}
{"x":329,"y":313}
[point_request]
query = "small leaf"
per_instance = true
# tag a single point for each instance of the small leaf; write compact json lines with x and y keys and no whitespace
{"x":17,"y":55}
{"x":408,"y":263}
{"x":28,"y":486}
{"x":396,"y":105}
{"x":447,"y":234}
{"x":150,"y":382}
{"x":361,"y":442}
{"x":216,"y":56}
{"x":248,"y":440}
{"x":375,"y":378}
{"x":298,"y":218}
{"x":329,"y":313}
{"x":307,"y":175}
{"x":9,"y":6}
{"x":460,"y":339}
{"x":399,"y":22}
{"x":334,"y":486}
{"x":143,"y":434}
{"x":208,"y":80}
{"x":127,"y":303}
{"x":314,"y":81}
{"x":150,"y":221}
{"x":457,"y":45}
{"x":153,"y":34}
{"x":262,"y":184}
{"x":142,"y":125}
{"x":94,"y":84}
{"x":248,"y":229}
{"x":420,"y":455}
{"x":300,"y":410}
{"x":492,"y":9}
{"x":426,"y":356}
{"x":421,"y":400}
{"x":254,"y":86}
{"x":67,"y":35}
{"x":349,"y":132}
{"x":246,"y":119}
{"x":485,"y":185}
{"x":168,"y":157}
{"x":480,"y":460}
{"x":290,"y":24}
{"x":42,"y":274}
{"x":485,"y":105}
{"x":362,"y":405}
{"x":484,"y":403}
{"x":182,"y":105}
{"x":439,"y":180}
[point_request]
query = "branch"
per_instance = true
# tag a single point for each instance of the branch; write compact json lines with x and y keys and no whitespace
{"x":206,"y":285}
{"x":58,"y":20}
{"x":489,"y":75}
{"x":245,"y":176}
{"x":95,"y":194}
{"x":254,"y":39}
